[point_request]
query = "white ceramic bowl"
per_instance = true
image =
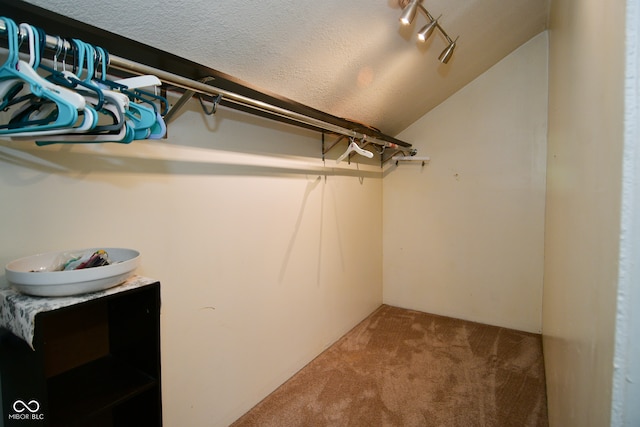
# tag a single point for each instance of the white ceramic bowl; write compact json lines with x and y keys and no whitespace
{"x":28,"y":275}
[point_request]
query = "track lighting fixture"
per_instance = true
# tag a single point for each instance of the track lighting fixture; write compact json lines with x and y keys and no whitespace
{"x":427,"y":30}
{"x":446,"y":54}
{"x":409,"y":11}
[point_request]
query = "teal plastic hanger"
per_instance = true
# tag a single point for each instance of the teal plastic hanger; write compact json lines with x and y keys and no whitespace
{"x":43,"y":110}
{"x":70,"y":80}
{"x":159,"y":128}
{"x":68,"y":107}
{"x":14,"y":68}
{"x":145,"y":120}
{"x":115,"y":107}
{"x":113,"y":110}
{"x":142,"y":119}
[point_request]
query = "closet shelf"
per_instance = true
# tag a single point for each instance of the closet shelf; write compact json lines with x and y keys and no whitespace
{"x":95,"y":388}
{"x":185,"y":76}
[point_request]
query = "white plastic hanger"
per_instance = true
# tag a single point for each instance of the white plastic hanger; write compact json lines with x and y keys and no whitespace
{"x":138,"y":82}
{"x":29,"y":70}
{"x":354,"y":147}
{"x":114,"y":106}
{"x":42,"y":87}
{"x":7,"y":85}
{"x":89,"y":118}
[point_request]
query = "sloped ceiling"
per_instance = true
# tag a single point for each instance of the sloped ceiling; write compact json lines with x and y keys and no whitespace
{"x":351,"y":59}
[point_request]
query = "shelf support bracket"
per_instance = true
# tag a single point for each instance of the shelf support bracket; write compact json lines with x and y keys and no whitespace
{"x":186,"y":96}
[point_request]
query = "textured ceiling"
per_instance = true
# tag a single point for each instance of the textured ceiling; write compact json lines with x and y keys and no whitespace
{"x":351,"y":59}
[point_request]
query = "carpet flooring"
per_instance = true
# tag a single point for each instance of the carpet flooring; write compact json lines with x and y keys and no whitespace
{"x":406,"y":368}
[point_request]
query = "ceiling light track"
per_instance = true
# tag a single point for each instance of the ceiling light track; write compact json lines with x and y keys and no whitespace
{"x":410,"y":9}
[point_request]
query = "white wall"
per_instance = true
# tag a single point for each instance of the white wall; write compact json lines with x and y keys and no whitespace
{"x":626,"y":379}
{"x":586,"y":82}
{"x":463,"y":235}
{"x":265,"y":256}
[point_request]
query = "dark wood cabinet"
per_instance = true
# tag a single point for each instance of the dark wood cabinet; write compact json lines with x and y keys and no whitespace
{"x":96,"y":363}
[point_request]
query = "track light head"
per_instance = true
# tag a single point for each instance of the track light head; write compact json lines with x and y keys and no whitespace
{"x":427,"y":30}
{"x":445,"y":56}
{"x":409,"y":12}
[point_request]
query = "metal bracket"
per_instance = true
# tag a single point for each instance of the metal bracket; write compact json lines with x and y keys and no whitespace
{"x":186,"y":96}
{"x":388,"y":154}
{"x":325,"y":148}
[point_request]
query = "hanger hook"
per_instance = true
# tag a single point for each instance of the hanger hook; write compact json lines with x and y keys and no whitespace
{"x":57,"y":53}
{"x":216,"y":100}
{"x":104,"y":60}
{"x":65,"y":51}
{"x":21,"y":36}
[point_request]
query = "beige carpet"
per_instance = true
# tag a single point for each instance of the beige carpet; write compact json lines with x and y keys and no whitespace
{"x":406,"y":368}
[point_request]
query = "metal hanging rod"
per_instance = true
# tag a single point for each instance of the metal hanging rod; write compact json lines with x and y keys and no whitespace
{"x":422,"y":159}
{"x":194,"y":86}
{"x":126,"y":65}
